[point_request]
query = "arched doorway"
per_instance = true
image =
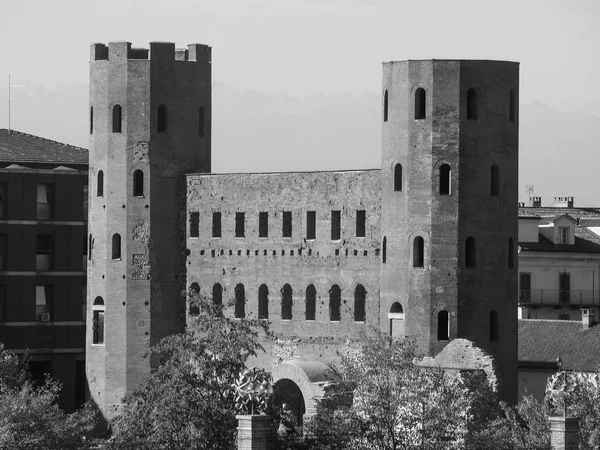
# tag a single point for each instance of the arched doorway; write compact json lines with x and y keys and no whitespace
{"x":396,"y":318}
{"x":288,"y":397}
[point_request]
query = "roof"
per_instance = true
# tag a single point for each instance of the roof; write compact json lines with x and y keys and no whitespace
{"x":18,"y":147}
{"x":586,"y":241}
{"x":541,"y":342}
{"x":553,"y":211}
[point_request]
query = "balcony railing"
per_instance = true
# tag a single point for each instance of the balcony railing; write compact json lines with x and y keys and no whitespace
{"x":577,"y":297}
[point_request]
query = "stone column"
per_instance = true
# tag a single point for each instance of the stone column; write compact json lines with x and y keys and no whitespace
{"x":564,"y":433}
{"x":253,"y":432}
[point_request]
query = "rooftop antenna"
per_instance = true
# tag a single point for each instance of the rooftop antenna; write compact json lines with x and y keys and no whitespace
{"x":9,"y":104}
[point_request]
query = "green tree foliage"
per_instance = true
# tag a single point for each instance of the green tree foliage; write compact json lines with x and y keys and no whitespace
{"x":29,"y":415}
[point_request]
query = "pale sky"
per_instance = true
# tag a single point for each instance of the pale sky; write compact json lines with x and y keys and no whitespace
{"x":301,"y":47}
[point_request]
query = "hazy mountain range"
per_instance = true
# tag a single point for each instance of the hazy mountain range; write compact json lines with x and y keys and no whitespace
{"x":257,"y":132}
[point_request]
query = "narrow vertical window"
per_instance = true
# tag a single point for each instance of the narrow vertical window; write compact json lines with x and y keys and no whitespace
{"x":194,"y":224}
{"x":116,"y":246}
{"x":385,"y":106}
{"x":161,"y":119}
{"x":443,"y":327}
{"x":90,"y":247}
{"x":138,"y":183}
{"x":511,"y":253}
{"x":420,"y":102}
{"x":494,"y":326}
{"x":3,"y":251}
{"x":240,"y":302}
{"x":335,"y":225}
{"x":201,"y":122}
{"x":216,"y":225}
{"x":263,"y":224}
{"x":418,"y":252}
{"x":3,"y":202}
{"x":98,"y":321}
{"x":117,"y":119}
{"x":470,"y":253}
{"x":445,"y":179}
{"x":100,"y":187}
{"x":263,"y":302}
{"x":91,"y":120}
{"x":286,"y":302}
{"x":359,"y":303}
{"x":398,"y":177}
{"x":360,"y":223}
{"x":85,"y":201}
{"x":311,"y":225}
{"x":287,"y":224}
{"x":471,"y":104}
{"x":384,"y":250}
{"x":2,"y":303}
{"x":217,"y":294}
{"x":524,"y":287}
{"x":494,"y":181}
{"x":44,"y":302}
{"x":511,"y":106}
{"x":194,"y":299}
{"x":240,"y":229}
{"x":335,"y":301}
{"x":44,"y":201}
{"x":564,"y":287}
{"x":311,"y":302}
{"x":44,"y":252}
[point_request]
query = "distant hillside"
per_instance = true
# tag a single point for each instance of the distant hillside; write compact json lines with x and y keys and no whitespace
{"x":260,"y":132}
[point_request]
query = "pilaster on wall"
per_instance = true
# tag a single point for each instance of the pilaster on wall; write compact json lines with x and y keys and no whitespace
{"x":564,"y":433}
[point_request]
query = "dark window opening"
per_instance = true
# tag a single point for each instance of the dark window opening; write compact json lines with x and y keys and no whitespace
{"x":2,"y":303}
{"x":311,"y":225}
{"x":512,"y":106}
{"x":418,"y":252}
{"x":360,"y":223}
{"x":524,"y":287}
{"x":161,"y":119}
{"x":98,"y":321}
{"x":445,"y":179}
{"x":217,"y":294}
{"x":494,"y":327}
{"x":90,"y":246}
{"x":201,"y":122}
{"x":384,"y":250}
{"x":286,"y":302}
{"x":471,"y":104}
{"x":117,"y":119}
{"x":240,"y":302}
{"x":116,"y":246}
{"x":385,"y":106}
{"x":287,"y":224}
{"x":443,"y":326}
{"x":311,"y":302}
{"x":564,"y":287}
{"x":494,"y":181}
{"x":3,"y":202}
{"x":100,"y":187}
{"x":335,"y":225}
{"x":138,"y":183}
{"x":240,"y":229}
{"x":263,"y":224}
{"x":194,"y":224}
{"x":3,"y":251}
{"x":511,"y":253}
{"x":335,"y":302}
{"x":44,"y":303}
{"x":420,"y":102}
{"x":263,"y":302}
{"x":45,"y":200}
{"x":398,"y":177}
{"x":91,"y":119}
{"x":470,"y":253}
{"x":216,"y":225}
{"x":44,"y":252}
{"x":359,"y":304}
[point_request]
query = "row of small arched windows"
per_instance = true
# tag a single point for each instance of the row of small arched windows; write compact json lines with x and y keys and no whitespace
{"x":335,"y":301}
{"x":138,"y":183}
{"x":161,"y":120}
{"x":445,"y":179}
{"x":472,"y":105}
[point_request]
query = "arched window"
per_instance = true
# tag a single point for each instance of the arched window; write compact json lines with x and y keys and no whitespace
{"x":161,"y":119}
{"x":494,"y":326}
{"x":194,"y":296}
{"x":335,"y":303}
{"x":470,"y":253}
{"x":91,"y":119}
{"x":494,"y":181}
{"x":240,"y":302}
{"x":90,"y":247}
{"x":384,"y":250}
{"x":100,"y":187}
{"x":194,"y":289}
{"x":420,"y":104}
{"x":359,"y":303}
{"x":116,"y":246}
{"x":217,"y":294}
{"x":418,"y":252}
{"x":398,"y":177}
{"x":396,"y":318}
{"x":286,"y":302}
{"x":98,"y":321}
{"x":511,"y":253}
{"x":311,"y":302}
{"x":138,"y":183}
{"x":117,"y":119}
{"x":511,"y":106}
{"x":201,"y":122}
{"x":443,"y":326}
{"x":385,"y":106}
{"x":471,"y":104}
{"x":263,"y":302}
{"x":445,"y":179}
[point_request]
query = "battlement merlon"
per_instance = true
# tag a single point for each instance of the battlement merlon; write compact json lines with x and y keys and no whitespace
{"x":164,"y":51}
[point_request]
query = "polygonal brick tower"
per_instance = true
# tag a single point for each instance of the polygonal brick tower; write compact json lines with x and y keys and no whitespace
{"x":449,"y":221}
{"x":150,"y":118}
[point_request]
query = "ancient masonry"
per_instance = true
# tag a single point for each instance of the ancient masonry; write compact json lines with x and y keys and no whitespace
{"x":424,"y":246}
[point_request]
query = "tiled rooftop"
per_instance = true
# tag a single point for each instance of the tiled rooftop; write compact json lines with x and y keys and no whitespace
{"x":553,"y":211}
{"x":585,"y":242}
{"x":17,"y":147}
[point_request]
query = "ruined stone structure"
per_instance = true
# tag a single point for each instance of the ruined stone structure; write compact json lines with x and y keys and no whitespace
{"x":425,"y":246}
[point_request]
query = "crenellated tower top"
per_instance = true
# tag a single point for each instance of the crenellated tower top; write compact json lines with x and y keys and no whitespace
{"x":157,"y":51}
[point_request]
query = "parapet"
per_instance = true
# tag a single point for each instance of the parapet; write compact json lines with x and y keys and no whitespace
{"x":162,"y":51}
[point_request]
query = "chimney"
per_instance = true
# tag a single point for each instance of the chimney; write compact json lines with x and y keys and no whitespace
{"x":535,"y":202}
{"x":587,"y":318}
{"x":521,"y":204}
{"x":563,"y":202}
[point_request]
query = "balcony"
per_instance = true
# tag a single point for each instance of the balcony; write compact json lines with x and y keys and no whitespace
{"x":557,"y":297}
